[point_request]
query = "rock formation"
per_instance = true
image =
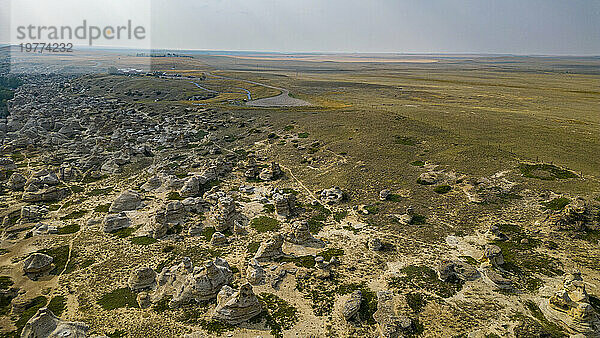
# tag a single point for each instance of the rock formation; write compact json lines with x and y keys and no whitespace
{"x":45,"y":324}
{"x":114,"y":222}
{"x":142,"y":279}
{"x":127,"y":200}
{"x":236,"y":307}
{"x":270,"y":250}
{"x":37,"y":263}
{"x":301,"y":235}
{"x":352,"y":305}
{"x":185,"y":283}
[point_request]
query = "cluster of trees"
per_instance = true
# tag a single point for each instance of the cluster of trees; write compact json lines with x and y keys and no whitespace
{"x":7,"y":86}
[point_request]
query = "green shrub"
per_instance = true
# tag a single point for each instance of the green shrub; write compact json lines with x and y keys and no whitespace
{"x":556,"y":204}
{"x":69,"y":229}
{"x":118,"y":298}
{"x":265,"y":224}
{"x":74,"y":215}
{"x":417,"y":163}
{"x":102,"y":208}
{"x":174,"y":196}
{"x":123,"y":233}
{"x":143,"y":240}
{"x":545,"y":172}
{"x":330,"y":253}
{"x":442,"y":189}
{"x":303,"y":135}
{"x":57,"y":305}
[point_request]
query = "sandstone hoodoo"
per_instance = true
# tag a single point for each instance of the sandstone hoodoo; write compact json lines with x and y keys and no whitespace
{"x":37,"y":263}
{"x":45,"y":324}
{"x":128,"y":200}
{"x":184,"y":283}
{"x":270,"y":250}
{"x":234,"y":307}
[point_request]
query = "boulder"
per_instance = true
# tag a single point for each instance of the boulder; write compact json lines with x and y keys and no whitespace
{"x":218,"y":239}
{"x":127,"y":200}
{"x":493,"y":255}
{"x":45,"y":324}
{"x":284,"y":204}
{"x":225,"y":214}
{"x":16,"y":182}
{"x":454,"y":270}
{"x":30,"y":213}
{"x":142,"y":279}
{"x":237,"y":307}
{"x":332,"y":196}
{"x":37,"y":263}
{"x":114,"y":222}
{"x":301,"y":235}
{"x":391,"y":322}
{"x":255,"y":274}
{"x":270,"y":173}
{"x":43,"y":229}
{"x":352,"y":305}
{"x":270,"y":250}
{"x":45,"y":195}
{"x":384,"y":194}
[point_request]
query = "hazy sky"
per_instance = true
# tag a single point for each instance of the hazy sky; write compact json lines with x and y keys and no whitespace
{"x":404,"y":26}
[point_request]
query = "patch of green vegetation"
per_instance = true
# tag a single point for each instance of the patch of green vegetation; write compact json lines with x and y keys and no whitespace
{"x":265,"y":224}
{"x":404,"y":140}
{"x":545,"y":172}
{"x":556,"y":204}
{"x":340,"y":215}
{"x":207,"y":233}
{"x":53,"y":207}
{"x":314,"y":226}
{"x":30,"y":310}
{"x":424,"y":278}
{"x":5,"y":282}
{"x":74,"y":215}
{"x":268,"y":208}
{"x":469,"y":260}
{"x":416,"y":301}
{"x":303,"y":135}
{"x":417,"y":163}
{"x":279,"y":315}
{"x":521,"y":259}
{"x":100,"y":191}
{"x":76,"y":189}
{"x":442,"y":189}
{"x":330,"y":253}
{"x":307,"y":261}
{"x":57,"y":305}
{"x":288,"y":127}
{"x":214,"y":327}
{"x":253,"y":247}
{"x":423,"y":182}
{"x":418,"y":220}
{"x":69,"y":229}
{"x":123,"y":233}
{"x":163,"y":304}
{"x":372,"y":209}
{"x":174,"y":196}
{"x":102,"y":208}
{"x":143,"y":240}
{"x":118,"y":298}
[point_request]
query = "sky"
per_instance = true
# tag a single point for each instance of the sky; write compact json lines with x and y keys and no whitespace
{"x":525,"y":27}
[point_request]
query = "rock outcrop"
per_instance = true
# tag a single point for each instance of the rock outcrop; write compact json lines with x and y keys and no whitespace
{"x":332,"y":196}
{"x":270,"y":250}
{"x":142,"y":279}
{"x":37,"y":263}
{"x":301,"y":235}
{"x":285,"y":204}
{"x":571,"y":305}
{"x":234,"y":307}
{"x":45,"y":324}
{"x":114,"y":222}
{"x":127,"y":200}
{"x":352,"y":305}
{"x":185,"y":283}
{"x":391,"y":321}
